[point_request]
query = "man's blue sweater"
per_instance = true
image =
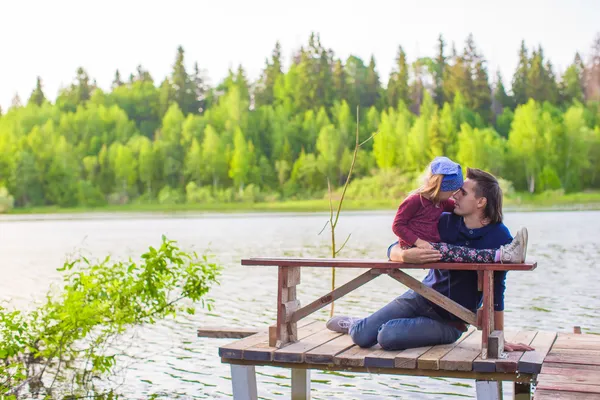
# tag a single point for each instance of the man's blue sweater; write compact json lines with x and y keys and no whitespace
{"x":461,"y":286}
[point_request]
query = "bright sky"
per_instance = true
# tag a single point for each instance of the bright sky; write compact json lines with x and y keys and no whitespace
{"x":52,"y":38}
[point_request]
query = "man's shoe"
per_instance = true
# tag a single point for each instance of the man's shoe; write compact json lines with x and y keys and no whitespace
{"x":515,"y":251}
{"x":341,"y":323}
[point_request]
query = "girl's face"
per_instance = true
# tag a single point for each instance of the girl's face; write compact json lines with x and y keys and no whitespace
{"x":445,"y":195}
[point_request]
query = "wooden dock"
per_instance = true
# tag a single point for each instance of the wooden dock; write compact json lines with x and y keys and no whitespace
{"x":563,"y":366}
{"x":322,"y":349}
{"x":571,"y":370}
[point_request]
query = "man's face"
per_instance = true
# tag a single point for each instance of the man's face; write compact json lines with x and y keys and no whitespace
{"x":466,"y":202}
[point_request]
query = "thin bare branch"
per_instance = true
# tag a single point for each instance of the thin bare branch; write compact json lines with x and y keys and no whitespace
{"x":370,"y":137}
{"x":325,"y":226}
{"x":330,"y":203}
{"x":344,"y":244}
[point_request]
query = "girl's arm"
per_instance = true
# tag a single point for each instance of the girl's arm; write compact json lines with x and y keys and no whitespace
{"x":405,"y":212}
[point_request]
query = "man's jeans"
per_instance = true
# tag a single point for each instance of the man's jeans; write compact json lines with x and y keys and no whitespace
{"x":408,"y":321}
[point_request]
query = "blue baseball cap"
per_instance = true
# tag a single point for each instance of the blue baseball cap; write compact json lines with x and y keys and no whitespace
{"x":453,"y":179}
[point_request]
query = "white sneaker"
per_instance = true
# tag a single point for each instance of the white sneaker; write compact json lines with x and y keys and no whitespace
{"x":341,"y":323}
{"x":515,"y":251}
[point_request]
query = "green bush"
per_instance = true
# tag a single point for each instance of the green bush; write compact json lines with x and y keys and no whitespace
{"x":62,"y":348}
{"x":198,"y":195}
{"x":6,"y":200}
{"x":167,"y":196}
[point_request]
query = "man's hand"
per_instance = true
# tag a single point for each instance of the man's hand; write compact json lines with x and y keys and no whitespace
{"x":422,"y":244}
{"x":517,"y":347}
{"x":415,"y":255}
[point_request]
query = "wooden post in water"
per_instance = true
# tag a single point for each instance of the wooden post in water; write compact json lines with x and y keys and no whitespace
{"x":300,"y":384}
{"x":488,"y":390}
{"x":243,"y":380}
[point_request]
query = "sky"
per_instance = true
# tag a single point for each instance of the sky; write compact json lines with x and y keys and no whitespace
{"x":52,"y":39}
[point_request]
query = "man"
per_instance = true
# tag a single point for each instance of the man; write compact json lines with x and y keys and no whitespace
{"x":413,"y":321}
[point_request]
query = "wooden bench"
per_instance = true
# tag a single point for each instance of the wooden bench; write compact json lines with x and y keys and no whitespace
{"x":278,"y":345}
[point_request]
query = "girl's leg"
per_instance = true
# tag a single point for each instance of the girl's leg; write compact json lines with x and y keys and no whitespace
{"x":460,"y":254}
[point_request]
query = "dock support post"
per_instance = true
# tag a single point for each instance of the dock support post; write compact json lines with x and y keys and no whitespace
{"x":243,"y":380}
{"x":300,"y":384}
{"x":522,"y":391}
{"x":488,"y":390}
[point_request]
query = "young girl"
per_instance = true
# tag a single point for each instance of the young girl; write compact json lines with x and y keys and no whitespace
{"x":416,"y":222}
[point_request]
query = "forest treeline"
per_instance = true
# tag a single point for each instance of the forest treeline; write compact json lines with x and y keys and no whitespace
{"x":285,"y":135}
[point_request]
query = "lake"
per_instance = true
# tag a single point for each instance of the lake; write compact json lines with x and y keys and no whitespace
{"x":169,"y":359}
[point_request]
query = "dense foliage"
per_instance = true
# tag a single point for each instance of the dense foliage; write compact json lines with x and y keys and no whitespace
{"x":286,"y":134}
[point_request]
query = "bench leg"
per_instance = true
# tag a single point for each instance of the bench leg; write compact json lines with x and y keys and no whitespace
{"x":243,"y":380}
{"x":522,"y":391}
{"x":300,"y":384}
{"x":488,"y":390}
{"x":488,"y":312}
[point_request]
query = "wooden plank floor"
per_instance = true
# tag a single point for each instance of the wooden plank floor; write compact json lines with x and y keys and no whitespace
{"x":319,"y":347}
{"x":571,"y":370}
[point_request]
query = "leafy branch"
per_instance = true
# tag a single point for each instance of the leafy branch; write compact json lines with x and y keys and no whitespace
{"x":61,"y":347}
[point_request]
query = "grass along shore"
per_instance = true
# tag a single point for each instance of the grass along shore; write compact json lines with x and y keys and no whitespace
{"x":515,"y":202}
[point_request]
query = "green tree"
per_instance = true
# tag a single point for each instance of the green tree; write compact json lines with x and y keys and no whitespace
{"x":241,"y":160}
{"x":480,"y":148}
{"x":500,"y":99}
{"x":439,"y":71}
{"x":213,"y":154}
{"x":527,"y":145}
{"x":340,"y":81}
{"x":571,"y":85}
{"x":37,"y":96}
{"x":184,"y":93}
{"x":520,"y":81}
{"x":397,"y":87}
{"x":265,"y":91}
{"x":117,"y":81}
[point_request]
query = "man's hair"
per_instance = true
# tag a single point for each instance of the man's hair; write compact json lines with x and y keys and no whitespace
{"x":487,"y":186}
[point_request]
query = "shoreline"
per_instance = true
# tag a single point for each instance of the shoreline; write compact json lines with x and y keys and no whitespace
{"x":591,"y":202}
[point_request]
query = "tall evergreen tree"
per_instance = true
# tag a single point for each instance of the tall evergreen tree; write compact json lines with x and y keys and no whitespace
{"x":520,"y":81}
{"x":16,"y":101}
{"x":372,"y":85}
{"x":571,"y":84}
{"x":324,"y":89}
{"x":454,"y":76}
{"x":440,"y":66}
{"x":264,"y":93}
{"x":500,"y":99}
{"x":143,"y":75}
{"x":84,"y":88}
{"x":417,"y":89}
{"x":183,"y":91}
{"x":397,"y":87}
{"x":37,"y":96}
{"x":340,"y":81}
{"x":242,"y":83}
{"x":117,"y":80}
